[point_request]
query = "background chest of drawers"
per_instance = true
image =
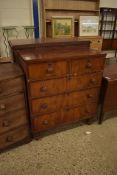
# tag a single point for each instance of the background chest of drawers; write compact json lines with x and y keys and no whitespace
{"x":14,"y":127}
{"x":63,"y":80}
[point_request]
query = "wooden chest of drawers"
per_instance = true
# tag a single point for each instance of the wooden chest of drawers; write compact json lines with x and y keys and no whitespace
{"x":63,"y":80}
{"x":14,"y":127}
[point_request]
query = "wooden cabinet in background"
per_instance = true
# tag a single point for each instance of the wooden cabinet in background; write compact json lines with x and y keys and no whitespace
{"x":14,"y":124}
{"x":63,"y":80}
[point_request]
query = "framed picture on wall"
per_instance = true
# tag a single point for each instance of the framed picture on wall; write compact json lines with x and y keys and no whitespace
{"x":88,"y":25}
{"x":62,"y":26}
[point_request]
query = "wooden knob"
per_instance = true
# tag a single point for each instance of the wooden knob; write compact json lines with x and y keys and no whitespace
{"x":89,"y":95}
{"x":93,"y":80}
{"x":45,"y":122}
{"x":50,"y":68}
{"x":9,"y":139}
{"x":67,"y":108}
{"x":43,"y":89}
{"x":89,"y":65}
{"x":5,"y":123}
{"x":75,"y":74}
{"x":2,"y":107}
{"x":44,"y":106}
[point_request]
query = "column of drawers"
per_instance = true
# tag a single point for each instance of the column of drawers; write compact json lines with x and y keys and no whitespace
{"x":14,"y":127}
{"x":63,"y":91}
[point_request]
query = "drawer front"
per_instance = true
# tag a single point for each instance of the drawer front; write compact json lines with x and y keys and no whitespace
{"x":78,"y":113}
{"x":11,"y":86}
{"x":87,"y":66}
{"x":48,"y":87}
{"x":13,"y":137}
{"x":11,"y":103}
{"x":12,"y":120}
{"x":75,"y":99}
{"x":47,"y":70}
{"x":54,"y":103}
{"x":84,"y":82}
{"x":46,"y":122}
{"x":49,"y":104}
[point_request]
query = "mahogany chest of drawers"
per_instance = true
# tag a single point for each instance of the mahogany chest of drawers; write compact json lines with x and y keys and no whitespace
{"x":14,"y":127}
{"x":63,"y":80}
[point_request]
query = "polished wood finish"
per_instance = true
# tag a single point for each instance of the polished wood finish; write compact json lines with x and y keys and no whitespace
{"x":109,"y":91}
{"x":14,"y":125}
{"x":13,"y":137}
{"x":63,"y":80}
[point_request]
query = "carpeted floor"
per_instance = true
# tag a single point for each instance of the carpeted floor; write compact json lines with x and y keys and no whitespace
{"x":69,"y":152}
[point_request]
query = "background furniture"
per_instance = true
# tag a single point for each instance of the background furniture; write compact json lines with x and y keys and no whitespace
{"x":108,"y":28}
{"x":108,"y":98}
{"x":14,"y":127}
{"x":63,"y":80}
{"x":73,"y":8}
{"x":96,"y":42}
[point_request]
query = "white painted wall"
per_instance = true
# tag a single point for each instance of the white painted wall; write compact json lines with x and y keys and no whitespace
{"x":15,"y":12}
{"x":108,"y":3}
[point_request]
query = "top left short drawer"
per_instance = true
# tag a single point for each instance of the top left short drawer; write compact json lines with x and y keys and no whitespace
{"x":47,"y":70}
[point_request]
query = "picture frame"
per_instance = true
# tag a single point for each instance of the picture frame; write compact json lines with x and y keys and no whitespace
{"x":89,"y":26}
{"x":62,"y":26}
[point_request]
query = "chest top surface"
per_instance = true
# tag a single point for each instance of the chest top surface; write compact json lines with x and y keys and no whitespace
{"x":52,"y":49}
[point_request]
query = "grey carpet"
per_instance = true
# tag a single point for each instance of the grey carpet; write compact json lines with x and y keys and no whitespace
{"x":69,"y":152}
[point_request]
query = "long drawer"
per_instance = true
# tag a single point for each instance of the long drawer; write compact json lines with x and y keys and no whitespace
{"x":12,"y":120}
{"x":49,"y":121}
{"x":11,"y":103}
{"x":54,"y":103}
{"x":11,"y":86}
{"x":57,"y":86}
{"x":14,"y":136}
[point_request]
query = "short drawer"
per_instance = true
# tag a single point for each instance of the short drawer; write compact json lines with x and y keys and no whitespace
{"x":48,"y":104}
{"x":87,"y":66}
{"x":13,"y":137}
{"x":11,"y":86}
{"x":80,"y":98}
{"x":47,"y":87}
{"x":45,"y":122}
{"x":11,"y":103}
{"x":13,"y":120}
{"x":84,"y":81}
{"x":47,"y":70}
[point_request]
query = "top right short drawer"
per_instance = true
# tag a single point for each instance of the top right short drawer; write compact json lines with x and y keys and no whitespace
{"x":82,"y":66}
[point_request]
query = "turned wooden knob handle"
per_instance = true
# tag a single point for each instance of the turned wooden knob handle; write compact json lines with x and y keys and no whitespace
{"x":43,"y":89}
{"x":67,"y":108}
{"x":89,"y":95}
{"x":45,"y":122}
{"x":93,"y":80}
{"x":5,"y":123}
{"x":50,"y":68}
{"x":89,"y":65}
{"x":44,"y":106}
{"x":2,"y":107}
{"x":9,"y":139}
